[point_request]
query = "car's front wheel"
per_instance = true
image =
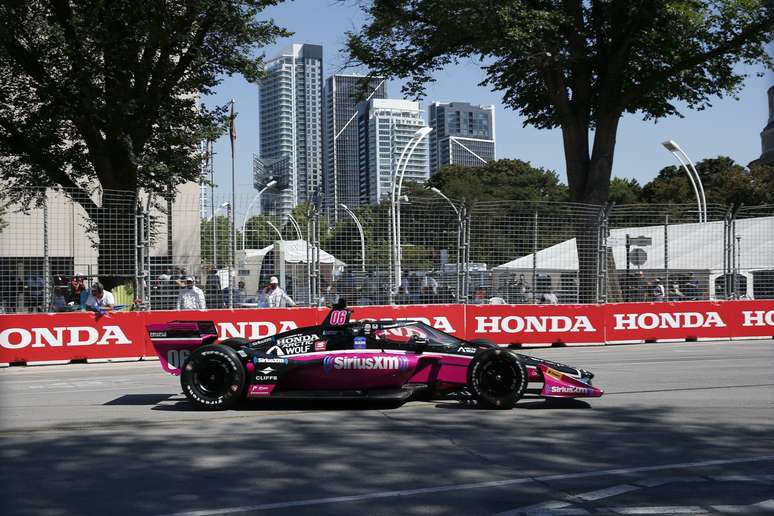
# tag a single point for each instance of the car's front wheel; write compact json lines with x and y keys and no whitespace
{"x":497,"y":378}
{"x":213,"y":378}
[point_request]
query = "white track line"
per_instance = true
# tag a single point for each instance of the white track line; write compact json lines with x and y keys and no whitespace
{"x":464,"y":487}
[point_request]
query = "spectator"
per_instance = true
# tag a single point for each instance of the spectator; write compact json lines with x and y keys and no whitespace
{"x":59,"y":301}
{"x":214,"y":292}
{"x":659,"y":293}
{"x":124,"y":293}
{"x":549,"y":298}
{"x":519,"y":288}
{"x":240,"y":294}
{"x":78,"y":291}
{"x":99,"y":299}
{"x":190,"y":297}
{"x":272,"y":296}
{"x":677,"y":295}
{"x":691,"y":290}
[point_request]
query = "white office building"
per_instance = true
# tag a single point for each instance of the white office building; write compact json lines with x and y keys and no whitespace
{"x":390,"y":125}
{"x":291,"y":126}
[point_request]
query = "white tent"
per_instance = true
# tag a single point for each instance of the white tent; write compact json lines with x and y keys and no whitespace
{"x":289,"y":262}
{"x":690,"y":247}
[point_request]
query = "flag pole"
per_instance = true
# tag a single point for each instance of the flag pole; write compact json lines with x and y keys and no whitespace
{"x":232,"y":265}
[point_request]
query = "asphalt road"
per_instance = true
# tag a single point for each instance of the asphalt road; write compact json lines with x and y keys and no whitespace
{"x":684,"y":428}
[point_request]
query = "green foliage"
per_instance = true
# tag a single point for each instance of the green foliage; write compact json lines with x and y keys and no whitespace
{"x":500,"y":180}
{"x":105,"y":93}
{"x":221,"y":243}
{"x":625,"y":191}
{"x":575,"y":65}
{"x":725,"y":182}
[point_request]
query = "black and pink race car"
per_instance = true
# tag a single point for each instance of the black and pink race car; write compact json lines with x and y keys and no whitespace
{"x":344,"y":359}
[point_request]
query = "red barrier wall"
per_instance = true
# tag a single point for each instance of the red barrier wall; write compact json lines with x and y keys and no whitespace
{"x":70,"y":336}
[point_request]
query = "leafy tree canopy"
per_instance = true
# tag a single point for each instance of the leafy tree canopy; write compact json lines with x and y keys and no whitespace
{"x":725,"y":182}
{"x":625,"y":191}
{"x":500,"y":180}
{"x":577,"y":65}
{"x":106,"y":92}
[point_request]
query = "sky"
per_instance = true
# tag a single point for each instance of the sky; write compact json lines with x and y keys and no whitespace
{"x":730,"y":128}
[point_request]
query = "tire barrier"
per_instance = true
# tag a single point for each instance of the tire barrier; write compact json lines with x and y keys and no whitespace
{"x":32,"y":338}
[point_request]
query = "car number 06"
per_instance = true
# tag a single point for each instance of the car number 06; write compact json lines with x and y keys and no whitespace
{"x":177,"y":357}
{"x":338,"y":317}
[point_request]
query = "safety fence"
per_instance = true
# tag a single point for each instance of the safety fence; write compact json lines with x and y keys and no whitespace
{"x":29,"y":338}
{"x":423,"y":249}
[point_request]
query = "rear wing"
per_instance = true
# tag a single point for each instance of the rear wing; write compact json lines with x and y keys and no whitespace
{"x":173,"y":341}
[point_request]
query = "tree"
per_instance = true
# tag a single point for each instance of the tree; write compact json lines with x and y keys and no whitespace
{"x":576,"y":65}
{"x":725,"y":182}
{"x":505,"y":180}
{"x":625,"y":191}
{"x":103,"y":96}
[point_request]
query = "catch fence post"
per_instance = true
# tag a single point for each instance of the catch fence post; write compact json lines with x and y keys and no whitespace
{"x":46,"y":258}
{"x":666,"y":256}
{"x":534,"y":256}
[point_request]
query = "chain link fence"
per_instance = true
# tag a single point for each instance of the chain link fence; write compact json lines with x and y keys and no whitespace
{"x":425,"y":249}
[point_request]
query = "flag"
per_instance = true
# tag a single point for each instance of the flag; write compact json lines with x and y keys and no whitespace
{"x":232,"y":128}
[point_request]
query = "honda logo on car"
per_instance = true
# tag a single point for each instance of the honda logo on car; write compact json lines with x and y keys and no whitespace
{"x":19,"y":338}
{"x":533,"y":324}
{"x":651,"y":321}
{"x":397,"y":363}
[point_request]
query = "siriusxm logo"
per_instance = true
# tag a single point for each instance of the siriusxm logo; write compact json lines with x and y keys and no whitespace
{"x":394,"y":363}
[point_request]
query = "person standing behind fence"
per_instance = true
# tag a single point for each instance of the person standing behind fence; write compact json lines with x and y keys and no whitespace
{"x":272,"y":296}
{"x":659,"y":292}
{"x":190,"y":296}
{"x":99,"y":299}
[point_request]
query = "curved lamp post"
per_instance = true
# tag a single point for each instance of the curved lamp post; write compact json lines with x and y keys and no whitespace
{"x":458,"y":213}
{"x":397,"y":186}
{"x":693,"y":175}
{"x":294,"y":222}
{"x":257,"y":199}
{"x":362,"y":236}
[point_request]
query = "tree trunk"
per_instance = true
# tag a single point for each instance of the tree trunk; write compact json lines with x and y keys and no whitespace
{"x":589,"y":181}
{"x":114,"y":221}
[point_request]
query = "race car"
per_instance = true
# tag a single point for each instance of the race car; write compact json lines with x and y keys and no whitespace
{"x":347,"y":359}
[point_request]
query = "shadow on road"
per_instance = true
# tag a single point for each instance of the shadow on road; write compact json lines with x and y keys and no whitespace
{"x":332,"y":449}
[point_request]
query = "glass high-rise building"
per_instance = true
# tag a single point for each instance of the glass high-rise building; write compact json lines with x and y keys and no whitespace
{"x":463,"y":134}
{"x":291,"y":126}
{"x":386,"y":127}
{"x":341,"y":170}
{"x":767,"y":135}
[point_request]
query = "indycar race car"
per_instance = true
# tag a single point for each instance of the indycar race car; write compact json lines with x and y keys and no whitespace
{"x":344,"y":359}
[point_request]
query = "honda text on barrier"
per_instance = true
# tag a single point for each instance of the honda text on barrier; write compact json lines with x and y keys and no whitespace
{"x":385,"y":360}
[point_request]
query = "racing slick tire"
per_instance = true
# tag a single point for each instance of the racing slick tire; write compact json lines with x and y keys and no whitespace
{"x":213,"y":377}
{"x":497,"y":379}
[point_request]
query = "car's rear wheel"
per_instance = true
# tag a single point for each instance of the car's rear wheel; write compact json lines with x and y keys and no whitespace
{"x":497,"y":379}
{"x":213,"y":378}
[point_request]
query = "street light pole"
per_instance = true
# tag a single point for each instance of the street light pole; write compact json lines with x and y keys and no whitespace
{"x":214,"y":232}
{"x":459,"y":241}
{"x":397,"y":186}
{"x":362,"y":236}
{"x":693,"y":175}
{"x":250,"y":207}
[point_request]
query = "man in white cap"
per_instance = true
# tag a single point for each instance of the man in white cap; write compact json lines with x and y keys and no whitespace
{"x":190,"y":297}
{"x":272,"y":296}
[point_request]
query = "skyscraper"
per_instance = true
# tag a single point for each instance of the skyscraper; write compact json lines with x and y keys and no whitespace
{"x":767,"y":135}
{"x":387,"y":127}
{"x":341,"y":171}
{"x":291,"y":126}
{"x":463,"y":134}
